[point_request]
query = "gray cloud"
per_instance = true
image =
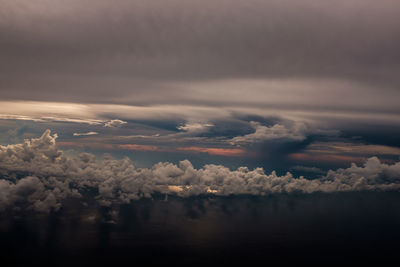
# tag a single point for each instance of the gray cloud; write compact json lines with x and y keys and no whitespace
{"x":37,"y":175}
{"x":147,"y":52}
{"x":307,"y":169}
{"x":296,"y":132}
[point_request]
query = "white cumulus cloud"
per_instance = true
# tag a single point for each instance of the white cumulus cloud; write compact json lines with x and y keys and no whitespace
{"x":36,"y":175}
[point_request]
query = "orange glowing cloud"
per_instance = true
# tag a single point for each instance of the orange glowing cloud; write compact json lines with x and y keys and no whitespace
{"x":228,"y":152}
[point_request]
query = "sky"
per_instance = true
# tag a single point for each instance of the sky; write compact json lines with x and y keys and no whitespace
{"x":126,"y":100}
{"x":299,"y":87}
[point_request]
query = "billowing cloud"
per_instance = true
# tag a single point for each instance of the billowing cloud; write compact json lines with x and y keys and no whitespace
{"x":37,"y":175}
{"x":296,"y":132}
{"x":195,"y":127}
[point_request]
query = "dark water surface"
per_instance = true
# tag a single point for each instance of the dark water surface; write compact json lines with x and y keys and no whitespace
{"x":313,"y":229}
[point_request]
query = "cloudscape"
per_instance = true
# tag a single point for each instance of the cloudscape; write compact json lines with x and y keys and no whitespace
{"x":199,"y":132}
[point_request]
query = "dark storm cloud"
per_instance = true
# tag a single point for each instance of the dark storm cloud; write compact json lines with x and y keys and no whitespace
{"x":37,"y":175}
{"x":125,"y":51}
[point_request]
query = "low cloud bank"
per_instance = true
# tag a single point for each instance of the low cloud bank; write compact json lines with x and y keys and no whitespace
{"x":36,"y":175}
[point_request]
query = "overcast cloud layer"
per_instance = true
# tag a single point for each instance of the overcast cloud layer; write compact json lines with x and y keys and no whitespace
{"x":292,"y":54}
{"x":37,"y":175}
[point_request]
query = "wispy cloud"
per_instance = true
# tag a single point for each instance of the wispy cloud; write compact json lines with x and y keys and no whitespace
{"x":50,"y":119}
{"x":336,"y":152}
{"x":85,"y":134}
{"x":229,"y":152}
{"x":327,"y":158}
{"x":20,"y":117}
{"x":140,"y":136}
{"x":138,"y":147}
{"x":352,"y":148}
{"x":114,"y":123}
{"x":92,"y":145}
